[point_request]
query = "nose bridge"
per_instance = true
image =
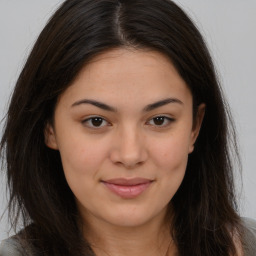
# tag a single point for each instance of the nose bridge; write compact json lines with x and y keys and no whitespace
{"x":129,"y":148}
{"x":130,"y":140}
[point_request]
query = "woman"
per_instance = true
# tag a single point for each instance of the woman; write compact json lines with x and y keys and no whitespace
{"x":117,"y":138}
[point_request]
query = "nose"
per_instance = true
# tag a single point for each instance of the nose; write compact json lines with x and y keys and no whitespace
{"x":129,"y":148}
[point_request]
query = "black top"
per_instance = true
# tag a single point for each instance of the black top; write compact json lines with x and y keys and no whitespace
{"x":11,"y":246}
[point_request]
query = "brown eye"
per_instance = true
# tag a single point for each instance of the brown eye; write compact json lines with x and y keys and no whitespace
{"x":160,"y":121}
{"x":95,"y":122}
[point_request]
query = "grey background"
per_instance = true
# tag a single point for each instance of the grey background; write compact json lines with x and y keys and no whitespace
{"x":229,"y":29}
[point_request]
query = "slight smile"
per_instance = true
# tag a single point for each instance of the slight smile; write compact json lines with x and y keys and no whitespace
{"x":127,"y":188}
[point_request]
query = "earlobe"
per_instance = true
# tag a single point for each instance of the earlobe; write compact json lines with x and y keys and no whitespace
{"x":197,"y":125}
{"x":49,"y":137}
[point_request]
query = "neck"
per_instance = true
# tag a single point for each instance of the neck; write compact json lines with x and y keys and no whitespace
{"x":151,"y":239}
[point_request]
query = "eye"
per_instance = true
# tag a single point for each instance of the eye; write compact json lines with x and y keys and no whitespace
{"x":95,"y":122}
{"x":160,"y":121}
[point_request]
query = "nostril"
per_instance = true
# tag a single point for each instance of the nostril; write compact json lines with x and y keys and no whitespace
{"x":129,"y":152}
{"x":129,"y":165}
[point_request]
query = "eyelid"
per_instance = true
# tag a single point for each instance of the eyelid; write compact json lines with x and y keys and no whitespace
{"x":167,"y":117}
{"x":84,"y":121}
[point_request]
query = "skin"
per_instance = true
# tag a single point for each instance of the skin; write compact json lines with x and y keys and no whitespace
{"x":128,"y":142}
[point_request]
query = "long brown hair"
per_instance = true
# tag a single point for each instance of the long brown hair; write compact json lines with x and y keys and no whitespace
{"x":204,"y":206}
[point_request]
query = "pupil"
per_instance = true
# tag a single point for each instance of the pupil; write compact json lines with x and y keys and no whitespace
{"x":97,"y":121}
{"x":159,"y":120}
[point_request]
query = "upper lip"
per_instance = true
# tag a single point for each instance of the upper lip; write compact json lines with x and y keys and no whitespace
{"x":127,"y":182}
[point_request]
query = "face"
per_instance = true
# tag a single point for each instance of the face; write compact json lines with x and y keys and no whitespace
{"x":124,"y":130}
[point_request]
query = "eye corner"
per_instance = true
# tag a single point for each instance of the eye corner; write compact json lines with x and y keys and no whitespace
{"x":161,"y":121}
{"x":95,"y":122}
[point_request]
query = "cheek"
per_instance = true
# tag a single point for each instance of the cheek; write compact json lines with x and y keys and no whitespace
{"x":170,"y":157}
{"x":171,"y":154}
{"x":81,"y":164}
{"x":82,"y":159}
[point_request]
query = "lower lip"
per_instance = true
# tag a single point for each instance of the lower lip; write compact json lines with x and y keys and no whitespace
{"x":128,"y":191}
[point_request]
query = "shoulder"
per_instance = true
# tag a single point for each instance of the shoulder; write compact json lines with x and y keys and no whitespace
{"x":249,"y":228}
{"x":12,"y":247}
{"x":249,"y":236}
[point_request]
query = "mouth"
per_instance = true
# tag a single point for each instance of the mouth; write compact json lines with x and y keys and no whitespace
{"x":128,"y":188}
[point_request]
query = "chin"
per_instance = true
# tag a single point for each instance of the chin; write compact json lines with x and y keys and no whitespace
{"x":133,"y":217}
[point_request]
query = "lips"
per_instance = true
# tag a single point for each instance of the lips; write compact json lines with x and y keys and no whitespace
{"x":127,"y":188}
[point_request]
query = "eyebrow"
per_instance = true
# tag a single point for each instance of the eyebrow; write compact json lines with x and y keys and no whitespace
{"x":95,"y":103}
{"x":161,"y":103}
{"x":147,"y":108}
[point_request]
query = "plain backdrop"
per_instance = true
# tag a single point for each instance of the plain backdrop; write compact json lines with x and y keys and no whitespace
{"x":229,"y":28}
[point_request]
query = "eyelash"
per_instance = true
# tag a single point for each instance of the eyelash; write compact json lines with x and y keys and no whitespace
{"x":86,"y":121}
{"x":167,"y":121}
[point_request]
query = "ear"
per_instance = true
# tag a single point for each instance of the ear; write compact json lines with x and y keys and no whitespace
{"x":50,"y":137}
{"x":196,"y":126}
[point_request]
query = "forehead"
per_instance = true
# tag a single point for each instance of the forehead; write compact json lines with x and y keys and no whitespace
{"x":121,"y":61}
{"x":122,"y":74}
